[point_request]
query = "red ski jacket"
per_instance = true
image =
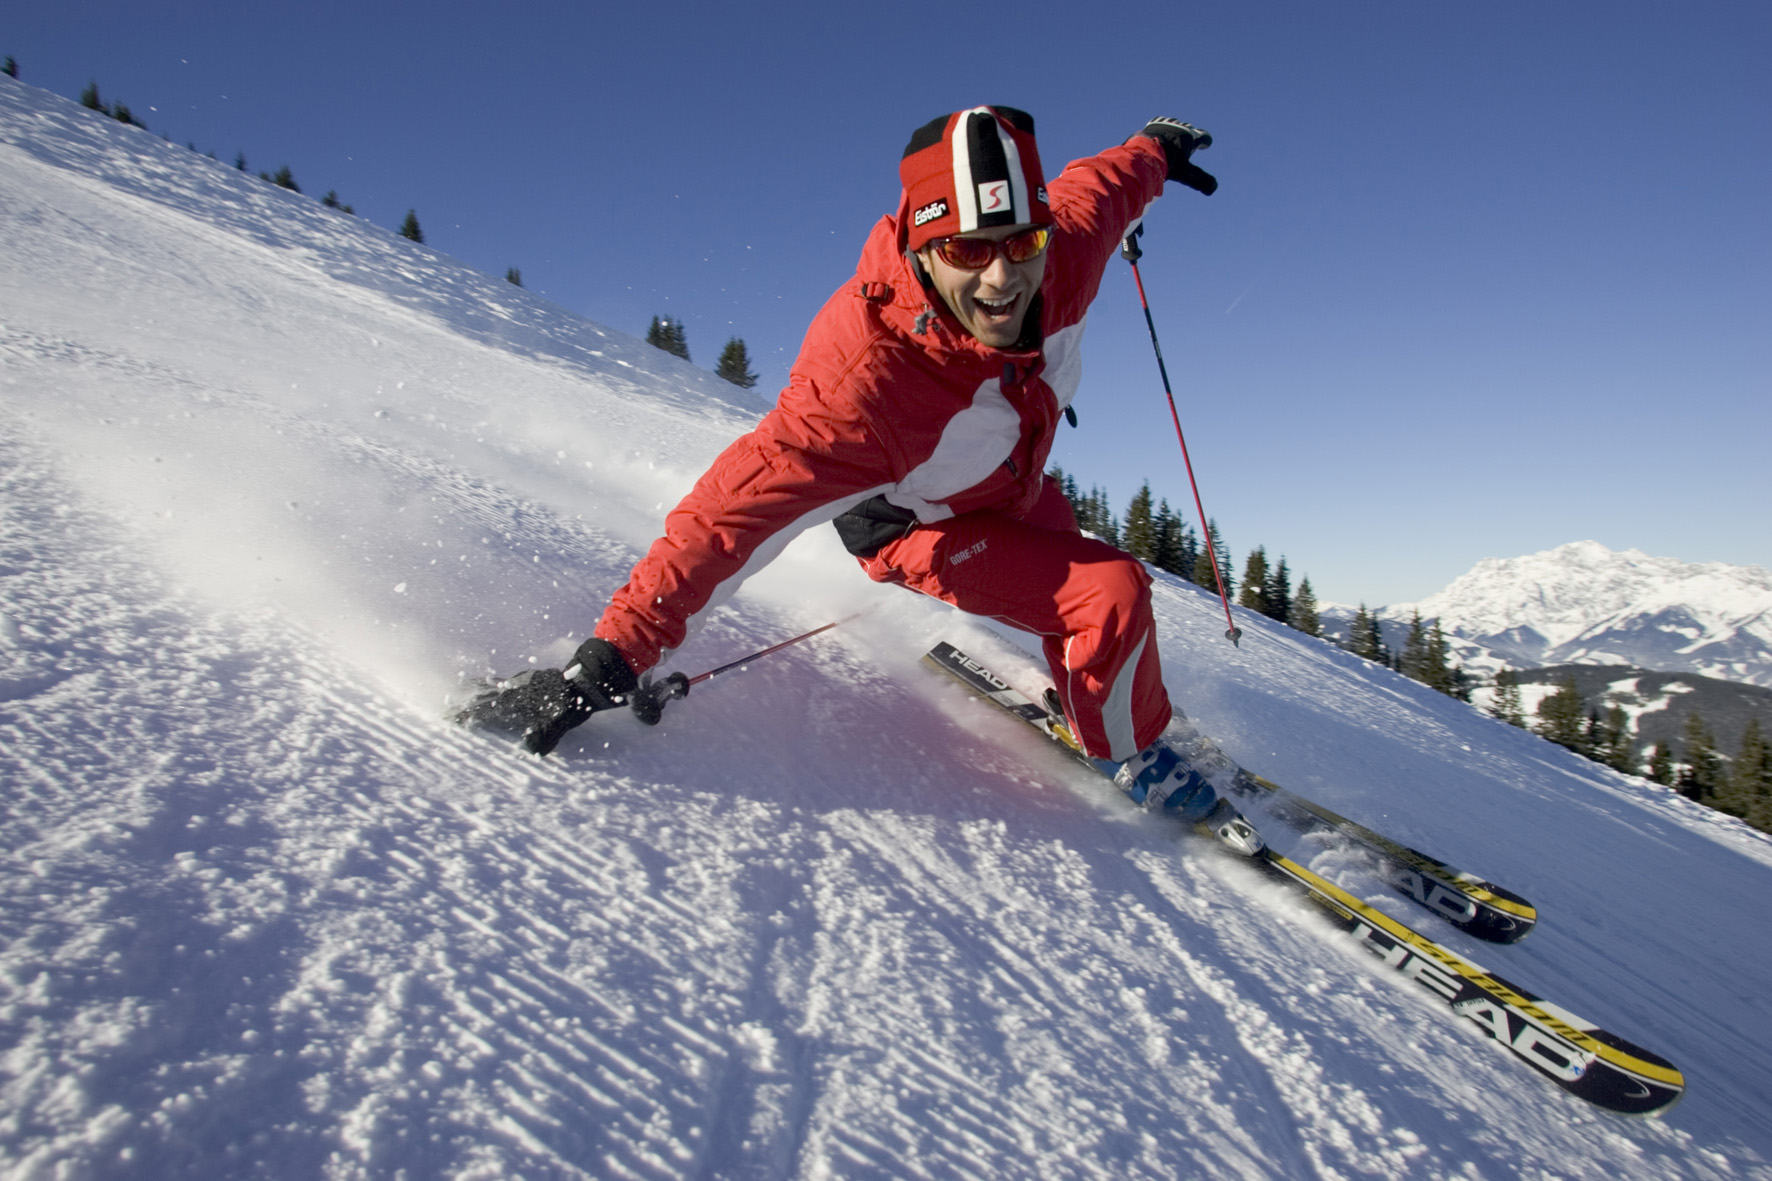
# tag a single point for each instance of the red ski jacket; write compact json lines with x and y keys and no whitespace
{"x":891,"y":398}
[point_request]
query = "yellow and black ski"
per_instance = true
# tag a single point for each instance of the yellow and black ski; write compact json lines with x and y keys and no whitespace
{"x":1575,"y":1054}
{"x":1476,"y":907}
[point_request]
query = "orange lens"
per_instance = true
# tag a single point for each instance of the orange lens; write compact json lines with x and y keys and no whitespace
{"x":975,"y":254}
{"x":968,"y":254}
{"x":1028,"y":245}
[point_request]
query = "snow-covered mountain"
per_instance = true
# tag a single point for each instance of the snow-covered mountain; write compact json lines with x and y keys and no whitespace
{"x":273,"y":481}
{"x":1583,"y":603}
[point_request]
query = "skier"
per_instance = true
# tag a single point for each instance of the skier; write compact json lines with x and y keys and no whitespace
{"x":918,"y":417}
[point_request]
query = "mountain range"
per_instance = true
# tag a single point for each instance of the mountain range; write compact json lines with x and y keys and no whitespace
{"x":1662,"y":638}
{"x":1584,"y":603}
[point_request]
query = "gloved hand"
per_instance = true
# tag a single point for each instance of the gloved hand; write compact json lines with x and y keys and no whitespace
{"x":1180,"y":141}
{"x":544,"y":703}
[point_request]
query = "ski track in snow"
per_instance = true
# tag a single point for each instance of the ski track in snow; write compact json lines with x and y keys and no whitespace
{"x":273,"y":482}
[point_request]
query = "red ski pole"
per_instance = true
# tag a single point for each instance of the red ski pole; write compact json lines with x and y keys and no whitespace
{"x":1131,"y":252}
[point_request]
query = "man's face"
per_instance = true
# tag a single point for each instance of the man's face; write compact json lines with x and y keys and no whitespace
{"x":991,"y":304}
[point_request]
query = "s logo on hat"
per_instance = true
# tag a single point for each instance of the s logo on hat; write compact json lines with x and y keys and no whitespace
{"x":971,"y":170}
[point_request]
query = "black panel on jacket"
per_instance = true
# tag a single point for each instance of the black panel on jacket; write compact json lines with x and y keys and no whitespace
{"x":872,"y":525}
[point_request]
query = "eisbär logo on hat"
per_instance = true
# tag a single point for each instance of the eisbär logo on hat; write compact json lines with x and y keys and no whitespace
{"x":972,"y":170}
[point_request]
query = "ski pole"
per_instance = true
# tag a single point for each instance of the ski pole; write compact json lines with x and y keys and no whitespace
{"x":677,"y":684}
{"x":1132,"y":252}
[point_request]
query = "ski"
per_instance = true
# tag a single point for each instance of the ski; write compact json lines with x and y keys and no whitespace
{"x":1575,"y":1054}
{"x":1479,"y":908}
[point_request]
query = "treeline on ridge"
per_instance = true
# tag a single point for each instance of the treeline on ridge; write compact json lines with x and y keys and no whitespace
{"x":283,"y":178}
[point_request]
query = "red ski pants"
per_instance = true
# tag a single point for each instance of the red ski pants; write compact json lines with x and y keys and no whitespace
{"x":1089,"y":601}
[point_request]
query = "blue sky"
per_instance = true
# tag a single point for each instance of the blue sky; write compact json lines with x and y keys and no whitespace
{"x":1480,"y":279}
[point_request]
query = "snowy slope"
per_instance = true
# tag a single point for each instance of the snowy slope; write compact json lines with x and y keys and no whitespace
{"x":1583,"y":603}
{"x":272,"y":481}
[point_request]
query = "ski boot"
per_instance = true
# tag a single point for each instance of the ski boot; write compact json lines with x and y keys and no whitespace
{"x":1163,"y":780}
{"x":1159,"y":779}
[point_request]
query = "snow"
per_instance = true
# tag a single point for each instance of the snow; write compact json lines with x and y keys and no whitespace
{"x":274,"y":482}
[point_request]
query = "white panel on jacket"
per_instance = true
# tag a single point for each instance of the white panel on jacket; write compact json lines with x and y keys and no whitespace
{"x":973,"y":445}
{"x":1064,"y":362}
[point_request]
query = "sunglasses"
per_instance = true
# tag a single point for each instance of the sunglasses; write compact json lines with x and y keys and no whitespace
{"x":975,"y":254}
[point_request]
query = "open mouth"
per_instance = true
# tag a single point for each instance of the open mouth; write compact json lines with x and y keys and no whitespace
{"x":997,"y":309}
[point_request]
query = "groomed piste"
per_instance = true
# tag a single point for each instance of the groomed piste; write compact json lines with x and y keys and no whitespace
{"x":276,"y":485}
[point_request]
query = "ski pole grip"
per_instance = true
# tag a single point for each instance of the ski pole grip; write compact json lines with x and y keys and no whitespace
{"x":1129,"y":247}
{"x":650,"y":699}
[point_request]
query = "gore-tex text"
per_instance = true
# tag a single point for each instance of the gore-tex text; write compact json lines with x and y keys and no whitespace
{"x":969,"y":552}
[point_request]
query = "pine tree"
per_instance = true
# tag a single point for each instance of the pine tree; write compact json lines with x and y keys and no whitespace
{"x":513,"y":276}
{"x":1701,"y":772}
{"x":89,"y":97}
{"x":1357,"y":629}
{"x":1366,"y":638}
{"x":1165,"y":538}
{"x":1562,"y":717}
{"x":1414,"y":661}
{"x":286,"y":179}
{"x":668,"y":335}
{"x":1506,"y":705}
{"x":735,"y":364}
{"x":1427,"y":658}
{"x":240,"y":161}
{"x":1303,"y":615}
{"x":330,"y":200}
{"x":1107,"y":525}
{"x":1254,"y":592}
{"x":1750,"y":776}
{"x":1093,"y":514}
{"x":409,"y":228}
{"x":1204,"y":568}
{"x":1224,"y":557}
{"x":1661,"y":764}
{"x":1189,"y":548}
{"x":1615,"y":746}
{"x":1140,"y":536}
{"x":1760,"y":813}
{"x":1081,"y":504}
{"x":1276,"y":592}
{"x":1174,"y":546}
{"x":1443,"y":675}
{"x":11,"y":67}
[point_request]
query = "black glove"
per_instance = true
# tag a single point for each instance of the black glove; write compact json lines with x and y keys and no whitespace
{"x":544,"y":703}
{"x":1180,"y":141}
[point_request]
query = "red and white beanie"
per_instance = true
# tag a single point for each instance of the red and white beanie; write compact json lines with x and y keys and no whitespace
{"x":972,"y":170}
